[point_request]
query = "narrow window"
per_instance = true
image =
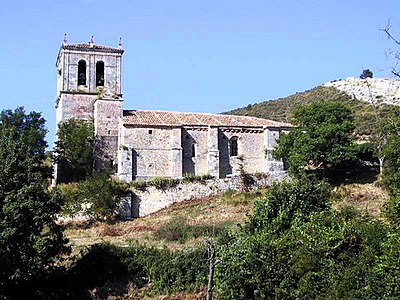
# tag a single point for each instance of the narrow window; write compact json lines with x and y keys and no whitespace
{"x":233,"y":143}
{"x":193,"y":150}
{"x":82,"y":72}
{"x":99,"y":73}
{"x":150,"y":131}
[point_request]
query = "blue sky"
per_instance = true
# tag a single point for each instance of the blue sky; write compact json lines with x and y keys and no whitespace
{"x":204,"y":55}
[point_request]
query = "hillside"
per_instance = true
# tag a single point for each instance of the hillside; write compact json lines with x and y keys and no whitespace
{"x":184,"y":226}
{"x":215,"y":214}
{"x":360,"y":95}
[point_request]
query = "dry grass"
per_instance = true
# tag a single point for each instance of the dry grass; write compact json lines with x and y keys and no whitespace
{"x":200,"y":295}
{"x":365,"y":197}
{"x":127,"y":290}
{"x":207,"y":211}
{"x":230,"y":208}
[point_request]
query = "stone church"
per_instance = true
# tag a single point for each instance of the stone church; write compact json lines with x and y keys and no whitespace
{"x":143,"y":144}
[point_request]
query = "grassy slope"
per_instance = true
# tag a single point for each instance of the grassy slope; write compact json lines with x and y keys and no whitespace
{"x":228,"y":210}
{"x":281,"y":109}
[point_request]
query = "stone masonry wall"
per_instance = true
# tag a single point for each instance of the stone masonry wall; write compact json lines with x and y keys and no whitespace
{"x":152,"y":149}
{"x":74,"y":105}
{"x":69,"y":68}
{"x":150,"y":200}
{"x":250,"y":147}
{"x":167,"y":151}
{"x":107,"y":113}
{"x":271,"y":164}
{"x":199,"y":138}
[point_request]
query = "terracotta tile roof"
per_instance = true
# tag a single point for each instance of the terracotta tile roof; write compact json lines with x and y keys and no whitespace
{"x":167,"y":118}
{"x":91,"y":47}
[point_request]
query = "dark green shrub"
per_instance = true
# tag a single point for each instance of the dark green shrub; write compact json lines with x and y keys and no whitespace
{"x":392,"y":209}
{"x":163,"y":183}
{"x":166,"y":183}
{"x":139,"y":184}
{"x":98,"y":264}
{"x":106,"y":262}
{"x":72,"y":204}
{"x":167,"y":271}
{"x":196,"y":178}
{"x":97,"y":197}
{"x":366,"y":73}
{"x":102,"y":194}
{"x":390,"y":148}
{"x":184,"y":270}
{"x":366,"y":152}
{"x":385,"y":273}
{"x":286,"y":200}
{"x":251,"y":267}
{"x":332,"y":255}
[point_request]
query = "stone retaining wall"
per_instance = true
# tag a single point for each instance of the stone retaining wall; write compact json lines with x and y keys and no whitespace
{"x":151,"y":199}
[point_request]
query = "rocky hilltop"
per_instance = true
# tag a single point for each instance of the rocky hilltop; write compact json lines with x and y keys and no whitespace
{"x":359,"y":94}
{"x":371,"y":90}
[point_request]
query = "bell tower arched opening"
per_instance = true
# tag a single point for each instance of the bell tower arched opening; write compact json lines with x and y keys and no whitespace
{"x":100,"y":73}
{"x":82,"y":72}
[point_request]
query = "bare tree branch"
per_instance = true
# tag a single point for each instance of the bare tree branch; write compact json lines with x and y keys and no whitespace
{"x":396,"y":55}
{"x":388,"y":34}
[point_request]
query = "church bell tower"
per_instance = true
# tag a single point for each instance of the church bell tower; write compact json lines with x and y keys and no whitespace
{"x":89,"y":88}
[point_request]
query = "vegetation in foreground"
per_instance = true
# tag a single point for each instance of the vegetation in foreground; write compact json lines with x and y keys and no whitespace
{"x":294,"y":246}
{"x":30,"y":240}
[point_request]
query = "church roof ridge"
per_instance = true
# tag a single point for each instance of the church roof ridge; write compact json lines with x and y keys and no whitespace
{"x":174,"y":118}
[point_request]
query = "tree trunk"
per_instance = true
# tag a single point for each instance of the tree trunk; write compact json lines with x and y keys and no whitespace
{"x":211,"y":258}
{"x":381,"y":160}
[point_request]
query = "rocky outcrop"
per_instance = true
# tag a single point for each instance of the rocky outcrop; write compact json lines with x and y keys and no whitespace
{"x":371,"y":90}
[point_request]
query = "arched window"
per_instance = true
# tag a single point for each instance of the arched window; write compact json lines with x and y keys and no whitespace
{"x":82,"y":72}
{"x":193,"y":150}
{"x":233,"y":146}
{"x":99,"y":73}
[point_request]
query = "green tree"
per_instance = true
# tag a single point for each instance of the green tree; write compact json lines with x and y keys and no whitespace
{"x":74,"y":150}
{"x":389,"y":132}
{"x":97,"y":197}
{"x":321,"y":139}
{"x":366,"y":74}
{"x":286,"y":200}
{"x":30,"y":240}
